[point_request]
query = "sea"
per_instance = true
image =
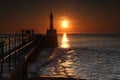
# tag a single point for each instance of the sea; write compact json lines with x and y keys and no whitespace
{"x":83,"y":56}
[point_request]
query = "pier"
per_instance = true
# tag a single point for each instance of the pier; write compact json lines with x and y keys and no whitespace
{"x":18,"y":50}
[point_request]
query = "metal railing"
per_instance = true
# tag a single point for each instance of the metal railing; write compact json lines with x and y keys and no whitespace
{"x":12,"y":49}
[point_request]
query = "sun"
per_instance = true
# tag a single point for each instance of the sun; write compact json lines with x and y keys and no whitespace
{"x":64,"y":23}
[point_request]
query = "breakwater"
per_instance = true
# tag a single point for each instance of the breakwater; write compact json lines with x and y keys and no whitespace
{"x":18,"y":49}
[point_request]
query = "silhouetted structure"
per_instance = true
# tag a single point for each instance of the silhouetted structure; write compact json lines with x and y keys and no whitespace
{"x":18,"y":51}
{"x":52,"y":34}
{"x":48,"y":40}
{"x":27,"y":31}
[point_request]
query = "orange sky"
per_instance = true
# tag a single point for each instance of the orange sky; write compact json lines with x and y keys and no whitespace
{"x":85,"y":16}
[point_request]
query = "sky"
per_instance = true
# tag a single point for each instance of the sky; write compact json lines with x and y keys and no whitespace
{"x":84,"y":16}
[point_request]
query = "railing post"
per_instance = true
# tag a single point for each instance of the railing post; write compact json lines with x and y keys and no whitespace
{"x":23,"y":42}
{"x":9,"y":63}
{"x":1,"y":57}
{"x":15,"y":61}
{"x":24,"y":71}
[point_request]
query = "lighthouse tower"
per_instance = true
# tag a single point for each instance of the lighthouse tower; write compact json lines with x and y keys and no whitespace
{"x":52,"y":34}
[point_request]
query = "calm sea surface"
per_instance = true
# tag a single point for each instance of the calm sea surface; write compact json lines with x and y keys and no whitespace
{"x":91,"y":57}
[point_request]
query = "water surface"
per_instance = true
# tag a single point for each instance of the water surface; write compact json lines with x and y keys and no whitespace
{"x":91,"y":57}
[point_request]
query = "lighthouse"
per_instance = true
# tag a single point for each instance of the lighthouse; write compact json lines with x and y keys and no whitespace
{"x":51,"y":20}
{"x":52,"y":33}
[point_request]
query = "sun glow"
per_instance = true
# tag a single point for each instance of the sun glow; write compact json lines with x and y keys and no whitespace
{"x":65,"y":41}
{"x":64,"y":23}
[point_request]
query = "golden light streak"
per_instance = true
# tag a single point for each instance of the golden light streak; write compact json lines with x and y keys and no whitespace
{"x":65,"y":41}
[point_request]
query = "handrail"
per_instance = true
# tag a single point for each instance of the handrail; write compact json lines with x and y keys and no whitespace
{"x":22,"y":63}
{"x":12,"y":50}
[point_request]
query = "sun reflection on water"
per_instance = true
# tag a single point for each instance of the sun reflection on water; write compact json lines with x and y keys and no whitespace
{"x":65,"y":41}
